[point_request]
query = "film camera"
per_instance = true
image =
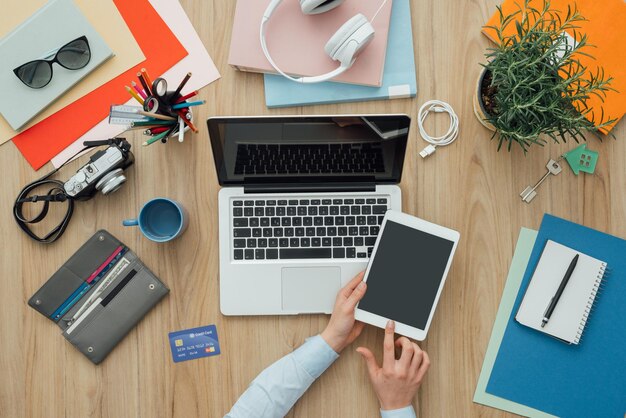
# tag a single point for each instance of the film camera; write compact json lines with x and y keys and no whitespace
{"x":104,"y":172}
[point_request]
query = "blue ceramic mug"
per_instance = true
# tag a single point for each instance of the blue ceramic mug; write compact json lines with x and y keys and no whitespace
{"x":160,"y":220}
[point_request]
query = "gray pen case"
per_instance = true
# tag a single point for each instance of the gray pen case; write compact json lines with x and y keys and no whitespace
{"x":99,"y":295}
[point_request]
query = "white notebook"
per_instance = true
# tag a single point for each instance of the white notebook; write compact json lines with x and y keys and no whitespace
{"x":570,"y":315}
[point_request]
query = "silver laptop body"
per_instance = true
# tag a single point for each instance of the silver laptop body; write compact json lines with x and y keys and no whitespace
{"x":300,"y":205}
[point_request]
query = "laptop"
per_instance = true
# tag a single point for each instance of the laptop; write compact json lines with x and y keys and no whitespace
{"x":301,"y":203}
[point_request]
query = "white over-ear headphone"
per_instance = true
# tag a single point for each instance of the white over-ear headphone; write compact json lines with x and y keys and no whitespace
{"x":344,"y":46}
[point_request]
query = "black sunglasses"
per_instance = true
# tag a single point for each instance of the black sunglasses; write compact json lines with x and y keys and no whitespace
{"x":38,"y":73}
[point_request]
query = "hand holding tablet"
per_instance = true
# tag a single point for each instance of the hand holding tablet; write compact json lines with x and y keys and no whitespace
{"x":406,"y":273}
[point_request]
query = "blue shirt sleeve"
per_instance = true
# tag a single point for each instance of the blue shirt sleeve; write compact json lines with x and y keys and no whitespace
{"x":407,"y":412}
{"x":274,"y":392}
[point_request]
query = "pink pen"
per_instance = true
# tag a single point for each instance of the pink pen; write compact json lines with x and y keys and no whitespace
{"x":138,"y":90}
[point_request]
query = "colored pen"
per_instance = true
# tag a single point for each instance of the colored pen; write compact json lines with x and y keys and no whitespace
{"x":188,"y":104}
{"x":157,"y":137}
{"x":138,"y":90}
{"x":182,"y":84}
{"x":110,"y":277}
{"x":559,"y":292}
{"x":155,"y":130}
{"x":181,"y":129}
{"x":186,"y":96}
{"x":183,"y":116}
{"x":156,"y":115}
{"x":134,"y":94}
{"x":152,"y":123}
{"x":144,"y":84}
{"x":146,"y":76}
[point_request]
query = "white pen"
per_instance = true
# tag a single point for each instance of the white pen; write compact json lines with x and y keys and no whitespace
{"x":181,"y":129}
{"x":101,"y":288}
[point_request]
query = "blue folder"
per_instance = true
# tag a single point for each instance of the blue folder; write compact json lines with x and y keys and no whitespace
{"x":585,"y":380}
{"x":398,"y":78}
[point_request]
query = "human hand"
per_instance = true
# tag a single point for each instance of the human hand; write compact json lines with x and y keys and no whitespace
{"x":397,"y":381}
{"x":342,"y":329}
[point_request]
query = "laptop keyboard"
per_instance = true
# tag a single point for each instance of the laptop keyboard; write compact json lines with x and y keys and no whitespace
{"x":359,"y":158}
{"x":268,"y":229}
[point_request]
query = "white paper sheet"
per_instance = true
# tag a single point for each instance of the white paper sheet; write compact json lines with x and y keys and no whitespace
{"x":198,"y":62}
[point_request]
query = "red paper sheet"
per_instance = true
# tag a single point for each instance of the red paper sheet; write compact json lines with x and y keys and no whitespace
{"x":162,"y":50}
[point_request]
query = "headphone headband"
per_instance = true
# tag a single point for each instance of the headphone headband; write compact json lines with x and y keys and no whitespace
{"x":357,"y":36}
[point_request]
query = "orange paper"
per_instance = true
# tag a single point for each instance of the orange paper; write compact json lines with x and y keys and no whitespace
{"x":606,"y":30}
{"x":43,"y":141}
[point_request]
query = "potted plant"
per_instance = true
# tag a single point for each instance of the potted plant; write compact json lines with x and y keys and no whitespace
{"x":534,"y":85}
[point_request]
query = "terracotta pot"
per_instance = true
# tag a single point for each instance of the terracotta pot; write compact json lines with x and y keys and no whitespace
{"x":479,"y":107}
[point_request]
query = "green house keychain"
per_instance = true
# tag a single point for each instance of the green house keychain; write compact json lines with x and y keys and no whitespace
{"x":581,"y":159}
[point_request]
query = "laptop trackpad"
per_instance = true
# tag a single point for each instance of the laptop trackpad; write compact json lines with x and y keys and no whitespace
{"x":310,"y":289}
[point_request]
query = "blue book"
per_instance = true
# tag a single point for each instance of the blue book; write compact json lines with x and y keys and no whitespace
{"x":399,"y":79}
{"x":585,"y":380}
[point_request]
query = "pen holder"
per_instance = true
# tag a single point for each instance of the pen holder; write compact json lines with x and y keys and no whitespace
{"x":167,"y":113}
{"x":166,"y":104}
{"x":162,"y":105}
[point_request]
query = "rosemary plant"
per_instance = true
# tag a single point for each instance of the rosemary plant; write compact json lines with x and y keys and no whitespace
{"x":535,"y":85}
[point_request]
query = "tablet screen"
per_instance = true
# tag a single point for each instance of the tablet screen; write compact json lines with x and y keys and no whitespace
{"x":405,"y":274}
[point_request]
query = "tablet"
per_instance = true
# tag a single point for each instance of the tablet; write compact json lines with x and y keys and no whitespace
{"x":406,"y":272}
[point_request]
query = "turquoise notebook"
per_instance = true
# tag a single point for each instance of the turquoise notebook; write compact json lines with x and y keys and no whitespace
{"x":585,"y":380}
{"x":54,"y":25}
{"x":399,"y":79}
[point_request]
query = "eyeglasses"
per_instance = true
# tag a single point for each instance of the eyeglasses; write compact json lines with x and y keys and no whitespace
{"x":72,"y":56}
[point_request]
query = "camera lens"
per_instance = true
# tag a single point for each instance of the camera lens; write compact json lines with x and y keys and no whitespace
{"x":111,"y":182}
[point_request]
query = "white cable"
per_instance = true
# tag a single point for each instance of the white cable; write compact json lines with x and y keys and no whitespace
{"x":377,"y":11}
{"x":437,"y":106}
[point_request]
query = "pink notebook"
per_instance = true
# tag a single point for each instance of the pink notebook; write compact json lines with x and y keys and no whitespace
{"x":296,"y":41}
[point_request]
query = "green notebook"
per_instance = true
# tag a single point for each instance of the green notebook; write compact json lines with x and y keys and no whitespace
{"x":524,"y":247}
{"x":54,"y":25}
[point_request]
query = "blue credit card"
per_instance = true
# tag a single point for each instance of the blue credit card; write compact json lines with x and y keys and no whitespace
{"x":194,"y":343}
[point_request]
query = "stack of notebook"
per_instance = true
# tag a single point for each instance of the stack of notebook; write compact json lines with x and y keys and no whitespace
{"x":385,"y":69}
{"x":573,"y":365}
{"x":398,"y":82}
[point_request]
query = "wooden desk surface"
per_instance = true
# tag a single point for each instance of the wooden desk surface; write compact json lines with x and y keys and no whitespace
{"x":467,"y":186}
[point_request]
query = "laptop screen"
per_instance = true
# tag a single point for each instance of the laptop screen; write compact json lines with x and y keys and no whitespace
{"x":249,"y":150}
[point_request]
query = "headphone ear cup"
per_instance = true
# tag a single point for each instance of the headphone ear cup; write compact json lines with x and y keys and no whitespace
{"x":350,"y":39}
{"x":313,"y":7}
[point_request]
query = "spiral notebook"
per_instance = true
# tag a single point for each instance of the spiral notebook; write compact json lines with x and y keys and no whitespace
{"x":569,"y":319}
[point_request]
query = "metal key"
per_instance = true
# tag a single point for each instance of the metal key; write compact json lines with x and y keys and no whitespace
{"x":529,"y":193}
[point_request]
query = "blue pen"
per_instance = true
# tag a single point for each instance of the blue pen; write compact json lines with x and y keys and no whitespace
{"x":187,"y":104}
{"x":84,"y":288}
{"x":74,"y":297}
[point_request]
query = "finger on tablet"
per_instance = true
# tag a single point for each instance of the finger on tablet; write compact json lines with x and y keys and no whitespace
{"x":388,"y":345}
{"x":407,"y":351}
{"x":356,"y":295}
{"x":354,"y":282}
